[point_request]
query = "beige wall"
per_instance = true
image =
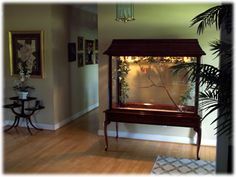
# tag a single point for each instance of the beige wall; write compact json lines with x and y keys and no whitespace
{"x":152,"y":21}
{"x":53,"y":89}
{"x":37,"y":20}
{"x":61,"y":78}
{"x":83,"y":80}
{"x":65,"y":89}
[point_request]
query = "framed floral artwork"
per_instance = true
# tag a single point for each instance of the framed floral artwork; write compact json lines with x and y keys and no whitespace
{"x":26,"y":52}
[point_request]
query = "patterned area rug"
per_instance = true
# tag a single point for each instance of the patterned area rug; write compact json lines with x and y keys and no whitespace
{"x":171,"y":165}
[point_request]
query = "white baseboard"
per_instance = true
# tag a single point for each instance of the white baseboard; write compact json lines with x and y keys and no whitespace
{"x":75,"y":116}
{"x":79,"y":114}
{"x":57,"y":125}
{"x":156,"y":137}
{"x":22,"y":123}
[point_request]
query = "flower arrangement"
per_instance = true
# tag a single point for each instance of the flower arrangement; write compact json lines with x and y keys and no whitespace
{"x":25,"y":65}
{"x":24,"y":75}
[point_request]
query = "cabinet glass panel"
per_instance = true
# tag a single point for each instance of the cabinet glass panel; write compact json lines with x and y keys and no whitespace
{"x":150,"y":83}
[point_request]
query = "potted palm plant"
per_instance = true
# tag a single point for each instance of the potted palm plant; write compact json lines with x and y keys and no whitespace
{"x":215,"y":79}
{"x":217,"y":94}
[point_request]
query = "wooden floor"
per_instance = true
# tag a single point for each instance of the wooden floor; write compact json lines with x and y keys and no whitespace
{"x":76,"y":148}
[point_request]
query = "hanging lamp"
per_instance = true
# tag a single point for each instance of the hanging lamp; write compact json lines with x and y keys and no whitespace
{"x":124,"y":12}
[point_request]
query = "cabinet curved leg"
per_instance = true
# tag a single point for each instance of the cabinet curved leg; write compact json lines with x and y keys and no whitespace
{"x":13,"y":125}
{"x":199,"y":137}
{"x":105,"y":134}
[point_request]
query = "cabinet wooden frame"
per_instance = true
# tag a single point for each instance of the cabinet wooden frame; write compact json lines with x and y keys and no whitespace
{"x":153,"y":47}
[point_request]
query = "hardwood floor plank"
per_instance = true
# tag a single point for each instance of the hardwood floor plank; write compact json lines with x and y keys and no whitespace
{"x":76,"y":148}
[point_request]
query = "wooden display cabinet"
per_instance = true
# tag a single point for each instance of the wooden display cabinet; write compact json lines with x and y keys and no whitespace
{"x":158,"y":103}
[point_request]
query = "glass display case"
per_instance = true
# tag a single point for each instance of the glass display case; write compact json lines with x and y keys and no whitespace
{"x":150,"y":83}
{"x":144,"y":87}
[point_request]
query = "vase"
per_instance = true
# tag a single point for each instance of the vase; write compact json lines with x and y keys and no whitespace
{"x":23,"y":95}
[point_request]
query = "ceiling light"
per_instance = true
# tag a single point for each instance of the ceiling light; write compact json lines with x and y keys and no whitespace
{"x":124,"y":12}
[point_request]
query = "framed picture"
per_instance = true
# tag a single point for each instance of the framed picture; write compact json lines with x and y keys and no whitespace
{"x":88,"y":52}
{"x":26,"y":51}
{"x":80,"y":59}
{"x":96,"y":44}
{"x":96,"y":58}
{"x":80,"y":41}
{"x":71,"y":51}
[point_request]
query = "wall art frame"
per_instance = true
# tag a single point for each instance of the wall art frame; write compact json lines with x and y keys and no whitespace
{"x":71,"y":51}
{"x":26,"y":49}
{"x":96,"y":58}
{"x":80,"y":42}
{"x":80,"y":59}
{"x":96,"y":44}
{"x":89,"y":51}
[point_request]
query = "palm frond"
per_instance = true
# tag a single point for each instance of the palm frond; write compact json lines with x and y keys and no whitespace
{"x":207,"y":18}
{"x":208,"y":74}
{"x":215,"y":47}
{"x":224,"y":129}
{"x":222,"y":123}
{"x":215,"y":15}
{"x":212,"y":78}
{"x":222,"y":49}
{"x":225,"y":114}
{"x":218,"y":92}
{"x":209,"y":103}
{"x":212,"y":108}
{"x":208,"y":95}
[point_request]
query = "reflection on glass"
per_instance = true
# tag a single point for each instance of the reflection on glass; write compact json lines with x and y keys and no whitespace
{"x":148,"y":82}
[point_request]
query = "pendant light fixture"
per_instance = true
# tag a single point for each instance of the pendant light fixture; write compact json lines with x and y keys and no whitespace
{"x":124,"y":12}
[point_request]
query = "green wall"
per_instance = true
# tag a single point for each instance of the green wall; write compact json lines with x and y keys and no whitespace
{"x":153,"y":21}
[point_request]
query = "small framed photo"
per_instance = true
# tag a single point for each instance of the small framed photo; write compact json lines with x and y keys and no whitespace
{"x":96,"y":58}
{"x":80,"y":59}
{"x":26,"y":50}
{"x":88,"y":52}
{"x":80,"y":41}
{"x":71,"y":51}
{"x":96,"y":44}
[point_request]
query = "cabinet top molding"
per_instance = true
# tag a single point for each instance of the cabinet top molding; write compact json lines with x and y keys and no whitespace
{"x":155,"y":47}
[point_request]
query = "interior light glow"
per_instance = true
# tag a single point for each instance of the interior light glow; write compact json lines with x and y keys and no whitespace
{"x":129,"y":59}
{"x":133,"y":59}
{"x":187,"y":59}
{"x":147,"y":104}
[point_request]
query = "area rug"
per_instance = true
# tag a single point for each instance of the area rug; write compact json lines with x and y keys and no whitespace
{"x":171,"y":165}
